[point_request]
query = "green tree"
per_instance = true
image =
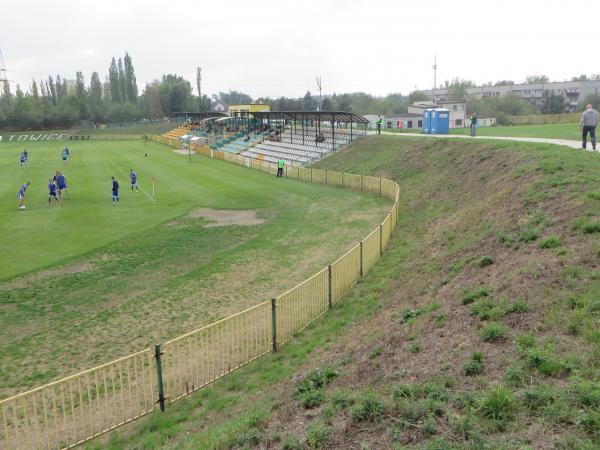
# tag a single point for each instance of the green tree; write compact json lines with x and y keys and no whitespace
{"x":552,"y":103}
{"x":418,"y":96}
{"x":175,"y":94}
{"x":131,"y":89}
{"x":81,"y":96}
{"x":113,"y":79}
{"x":95,"y":98}
{"x":457,"y":89}
{"x":122,"y":82}
{"x":536,"y":79}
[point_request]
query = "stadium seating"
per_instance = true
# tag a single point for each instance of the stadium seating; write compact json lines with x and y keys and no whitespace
{"x":176,"y":133}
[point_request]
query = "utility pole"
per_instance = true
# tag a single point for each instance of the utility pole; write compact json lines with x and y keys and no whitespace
{"x":3,"y":78}
{"x":320,"y":87}
{"x":434,"y":76}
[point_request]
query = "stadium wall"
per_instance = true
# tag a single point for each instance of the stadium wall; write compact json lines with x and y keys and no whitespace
{"x":71,"y":411}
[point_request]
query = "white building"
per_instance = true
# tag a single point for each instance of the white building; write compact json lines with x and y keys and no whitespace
{"x":458,"y":111}
{"x":574,"y":92}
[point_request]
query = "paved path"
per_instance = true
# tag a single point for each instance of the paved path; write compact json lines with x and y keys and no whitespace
{"x":565,"y":142}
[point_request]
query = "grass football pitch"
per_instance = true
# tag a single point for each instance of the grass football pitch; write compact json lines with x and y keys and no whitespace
{"x":85,"y":282}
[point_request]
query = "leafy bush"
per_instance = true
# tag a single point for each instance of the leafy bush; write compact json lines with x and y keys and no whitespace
{"x":493,"y":332}
{"x":469,"y":297}
{"x":440,"y":320}
{"x":317,"y":435}
{"x":368,"y":408}
{"x":550,"y":242}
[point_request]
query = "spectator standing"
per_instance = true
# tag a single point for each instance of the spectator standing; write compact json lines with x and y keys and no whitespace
{"x":473,"y":124}
{"x":379,"y":120}
{"x":280,"y":164}
{"x":588,"y":123}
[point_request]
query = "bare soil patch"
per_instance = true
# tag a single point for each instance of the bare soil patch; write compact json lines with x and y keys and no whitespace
{"x":221,"y":218}
{"x":21,"y":282}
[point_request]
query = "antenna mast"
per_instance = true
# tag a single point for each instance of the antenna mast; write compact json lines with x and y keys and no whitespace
{"x":320,"y":87}
{"x":3,"y":78}
{"x":434,"y":76}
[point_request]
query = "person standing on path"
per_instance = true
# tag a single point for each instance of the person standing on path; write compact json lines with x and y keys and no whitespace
{"x":473,"y":124}
{"x":280,"y":164}
{"x":379,"y":120}
{"x":587,"y":123}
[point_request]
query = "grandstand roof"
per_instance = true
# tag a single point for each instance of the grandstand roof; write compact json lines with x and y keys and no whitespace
{"x":323,"y":116}
{"x":199,"y":115}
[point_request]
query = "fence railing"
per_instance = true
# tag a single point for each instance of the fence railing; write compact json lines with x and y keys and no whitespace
{"x":68,"y":412}
{"x":537,"y":119}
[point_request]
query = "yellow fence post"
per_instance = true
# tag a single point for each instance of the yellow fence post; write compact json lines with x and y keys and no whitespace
{"x":380,"y":239}
{"x":274,"y":323}
{"x":329,"y":286}
{"x":361,"y":259}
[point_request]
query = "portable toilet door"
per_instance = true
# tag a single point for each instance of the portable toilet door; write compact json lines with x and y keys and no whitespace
{"x":442,"y":121}
{"x":427,"y":121}
{"x":433,"y":122}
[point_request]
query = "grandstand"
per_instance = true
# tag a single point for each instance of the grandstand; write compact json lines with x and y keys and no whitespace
{"x":297,"y":137}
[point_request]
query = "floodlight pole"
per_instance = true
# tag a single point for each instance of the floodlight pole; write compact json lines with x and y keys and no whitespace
{"x":189,"y":149}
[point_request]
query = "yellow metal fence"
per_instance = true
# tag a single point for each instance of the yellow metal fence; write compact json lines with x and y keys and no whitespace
{"x":76,"y":409}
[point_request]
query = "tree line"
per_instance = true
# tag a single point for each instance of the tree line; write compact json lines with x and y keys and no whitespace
{"x":57,"y":102}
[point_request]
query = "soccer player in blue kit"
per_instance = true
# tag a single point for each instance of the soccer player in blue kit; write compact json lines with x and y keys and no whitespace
{"x":52,"y":192}
{"x":22,"y":190}
{"x":133,"y":178}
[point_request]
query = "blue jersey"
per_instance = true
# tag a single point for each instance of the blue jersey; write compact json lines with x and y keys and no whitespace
{"x":22,"y":190}
{"x":23,"y":157}
{"x":52,"y":188}
{"x":115,"y":187}
{"x":62,"y":182}
{"x":133,"y":177}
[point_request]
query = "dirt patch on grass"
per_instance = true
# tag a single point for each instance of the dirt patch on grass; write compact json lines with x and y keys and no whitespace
{"x":221,"y":218}
{"x":22,"y":282}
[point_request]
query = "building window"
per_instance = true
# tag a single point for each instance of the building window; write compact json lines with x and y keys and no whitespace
{"x":388,"y":124}
{"x":409,"y":124}
{"x":458,"y":122}
{"x":454,"y":107}
{"x":420,"y":124}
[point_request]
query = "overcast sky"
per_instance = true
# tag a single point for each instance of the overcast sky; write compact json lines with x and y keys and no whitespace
{"x":274,"y":48}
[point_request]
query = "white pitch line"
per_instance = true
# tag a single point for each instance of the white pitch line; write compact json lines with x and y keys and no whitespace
{"x":126,"y":175}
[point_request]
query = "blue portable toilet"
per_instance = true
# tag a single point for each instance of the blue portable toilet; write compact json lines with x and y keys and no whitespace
{"x":440,"y":121}
{"x":427,"y":121}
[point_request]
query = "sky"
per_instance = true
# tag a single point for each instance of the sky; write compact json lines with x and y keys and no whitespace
{"x":277,"y":48}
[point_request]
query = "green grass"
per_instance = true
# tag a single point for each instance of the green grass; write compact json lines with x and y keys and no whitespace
{"x":550,"y":131}
{"x":86,"y":282}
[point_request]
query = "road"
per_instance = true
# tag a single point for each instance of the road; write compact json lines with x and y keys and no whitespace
{"x":564,"y":142}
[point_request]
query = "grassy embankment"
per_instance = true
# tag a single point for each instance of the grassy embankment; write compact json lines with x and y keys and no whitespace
{"x":478,"y":328}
